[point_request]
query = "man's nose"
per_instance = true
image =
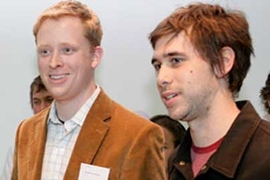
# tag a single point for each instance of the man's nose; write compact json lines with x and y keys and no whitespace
{"x":164,"y":77}
{"x":56,"y":60}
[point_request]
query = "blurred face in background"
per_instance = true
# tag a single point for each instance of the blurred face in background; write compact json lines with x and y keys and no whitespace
{"x":168,"y":144}
{"x":40,"y":100}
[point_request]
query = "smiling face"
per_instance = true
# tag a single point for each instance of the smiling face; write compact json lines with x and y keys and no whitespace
{"x":66,"y":59}
{"x":186,"y":82}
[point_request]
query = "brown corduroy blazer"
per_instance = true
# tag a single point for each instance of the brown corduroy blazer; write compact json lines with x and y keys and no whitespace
{"x":111,"y":137}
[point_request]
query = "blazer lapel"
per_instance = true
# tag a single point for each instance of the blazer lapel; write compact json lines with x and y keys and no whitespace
{"x":91,"y":136}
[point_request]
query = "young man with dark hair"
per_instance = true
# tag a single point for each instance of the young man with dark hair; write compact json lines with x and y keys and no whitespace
{"x":201,"y":56}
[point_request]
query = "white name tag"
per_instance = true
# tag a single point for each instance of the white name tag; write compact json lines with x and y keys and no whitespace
{"x":91,"y":172}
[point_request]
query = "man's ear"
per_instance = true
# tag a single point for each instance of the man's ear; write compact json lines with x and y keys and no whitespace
{"x":228,"y":58}
{"x":97,"y":56}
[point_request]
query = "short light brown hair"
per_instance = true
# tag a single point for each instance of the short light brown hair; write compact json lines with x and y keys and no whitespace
{"x":210,"y":28}
{"x":93,"y":29}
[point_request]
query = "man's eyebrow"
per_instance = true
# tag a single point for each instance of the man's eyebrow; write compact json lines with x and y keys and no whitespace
{"x":170,"y":54}
{"x":174,"y":53}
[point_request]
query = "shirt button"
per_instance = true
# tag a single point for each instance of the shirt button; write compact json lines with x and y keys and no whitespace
{"x":204,"y":167}
{"x":182,"y":163}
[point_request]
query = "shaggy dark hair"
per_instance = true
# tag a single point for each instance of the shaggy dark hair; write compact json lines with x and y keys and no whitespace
{"x":210,"y":28}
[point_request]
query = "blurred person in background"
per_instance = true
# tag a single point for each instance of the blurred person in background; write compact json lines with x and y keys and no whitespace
{"x":265,"y":98}
{"x":173,"y":131}
{"x":40,"y":99}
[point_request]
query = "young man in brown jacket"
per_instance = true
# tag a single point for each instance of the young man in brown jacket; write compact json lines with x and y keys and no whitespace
{"x":201,"y":56}
{"x":85,"y":134}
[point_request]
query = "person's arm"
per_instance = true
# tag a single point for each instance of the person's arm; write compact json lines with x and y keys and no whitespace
{"x":145,"y":159}
{"x":8,"y":165}
{"x":14,"y":173}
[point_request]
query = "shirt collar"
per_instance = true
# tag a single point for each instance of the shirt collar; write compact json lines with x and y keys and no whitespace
{"x":79,"y":117}
{"x":227,"y":158}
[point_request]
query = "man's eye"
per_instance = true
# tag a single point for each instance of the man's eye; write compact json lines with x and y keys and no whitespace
{"x":176,"y":60}
{"x":157,"y":66}
{"x":36,"y":102}
{"x":68,"y":50}
{"x":49,"y":99}
{"x":43,"y":52}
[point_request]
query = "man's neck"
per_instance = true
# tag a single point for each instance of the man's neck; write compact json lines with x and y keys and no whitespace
{"x":66,"y":109}
{"x":207,"y":130}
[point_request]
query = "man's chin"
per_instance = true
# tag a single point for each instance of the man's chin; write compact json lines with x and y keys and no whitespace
{"x":173,"y":115}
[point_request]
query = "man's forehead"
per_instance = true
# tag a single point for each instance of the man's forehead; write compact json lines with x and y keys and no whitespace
{"x":40,"y":91}
{"x":171,"y":43}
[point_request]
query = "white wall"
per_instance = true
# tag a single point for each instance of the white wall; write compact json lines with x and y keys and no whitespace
{"x":125,"y":72}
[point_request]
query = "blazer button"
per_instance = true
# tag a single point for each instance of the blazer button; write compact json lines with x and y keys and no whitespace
{"x":204,"y":167}
{"x":182,"y":163}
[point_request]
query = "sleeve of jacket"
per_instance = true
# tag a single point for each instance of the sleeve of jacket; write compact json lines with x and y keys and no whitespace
{"x":146,"y":156}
